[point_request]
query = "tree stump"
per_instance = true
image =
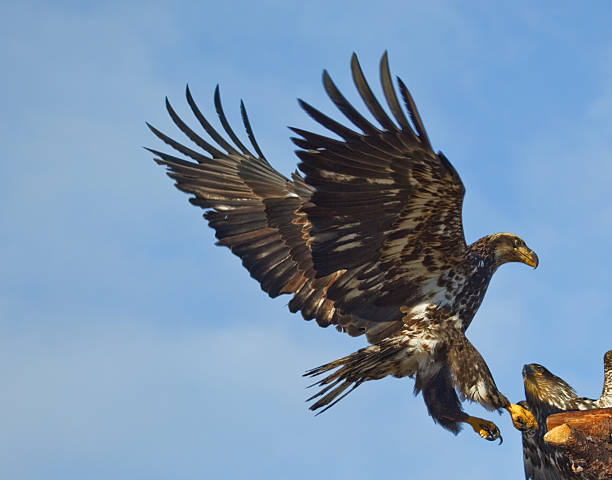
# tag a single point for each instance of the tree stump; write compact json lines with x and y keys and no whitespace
{"x":585,"y":437}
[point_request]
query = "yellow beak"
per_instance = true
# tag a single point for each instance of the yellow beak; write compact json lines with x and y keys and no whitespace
{"x":528,"y":257}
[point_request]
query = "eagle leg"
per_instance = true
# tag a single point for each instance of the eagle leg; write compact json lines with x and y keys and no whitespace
{"x":521,"y":418}
{"x":486,"y":429}
{"x":445,"y":408}
{"x":473,"y":380}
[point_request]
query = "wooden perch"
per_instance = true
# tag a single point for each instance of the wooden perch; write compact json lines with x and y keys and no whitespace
{"x":585,"y":437}
{"x":591,"y":422}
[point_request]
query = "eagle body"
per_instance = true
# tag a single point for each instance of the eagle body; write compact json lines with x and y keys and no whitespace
{"x":547,"y":394}
{"x":430,"y":327}
{"x":368,"y":238}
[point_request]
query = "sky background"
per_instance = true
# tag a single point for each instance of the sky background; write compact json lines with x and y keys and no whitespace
{"x":132,"y":348}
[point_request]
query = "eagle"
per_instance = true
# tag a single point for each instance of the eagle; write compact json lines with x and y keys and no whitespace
{"x":547,"y":394}
{"x":368,"y":238}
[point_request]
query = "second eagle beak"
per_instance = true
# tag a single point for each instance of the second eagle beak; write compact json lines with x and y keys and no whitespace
{"x":528,"y":256}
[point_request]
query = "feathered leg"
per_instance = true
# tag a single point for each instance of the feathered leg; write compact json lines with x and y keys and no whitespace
{"x":444,"y":406}
{"x":474,"y":381}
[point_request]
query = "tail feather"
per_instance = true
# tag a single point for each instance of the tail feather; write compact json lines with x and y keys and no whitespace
{"x":370,"y":363}
{"x":332,"y":395}
{"x":323,"y":390}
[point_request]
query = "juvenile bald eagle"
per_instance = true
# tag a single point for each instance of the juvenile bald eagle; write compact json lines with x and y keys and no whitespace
{"x":547,"y":394}
{"x":370,"y":240}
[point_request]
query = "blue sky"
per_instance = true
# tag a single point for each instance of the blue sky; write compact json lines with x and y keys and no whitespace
{"x":130,"y":347}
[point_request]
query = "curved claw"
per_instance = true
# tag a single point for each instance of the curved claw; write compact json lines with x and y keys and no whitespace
{"x":492,"y":434}
{"x":487,"y":430}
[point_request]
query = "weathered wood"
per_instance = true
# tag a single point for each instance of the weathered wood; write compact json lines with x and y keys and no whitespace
{"x":559,"y":435}
{"x":585,"y":437}
{"x":596,"y":422}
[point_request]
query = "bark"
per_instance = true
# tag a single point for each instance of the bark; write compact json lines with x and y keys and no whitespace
{"x":585,"y":437}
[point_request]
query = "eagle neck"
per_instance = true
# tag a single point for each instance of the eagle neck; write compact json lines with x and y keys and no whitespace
{"x":483,"y":254}
{"x":482,"y":269}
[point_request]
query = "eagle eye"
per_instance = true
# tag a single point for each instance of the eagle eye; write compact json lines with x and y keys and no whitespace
{"x":516,"y":243}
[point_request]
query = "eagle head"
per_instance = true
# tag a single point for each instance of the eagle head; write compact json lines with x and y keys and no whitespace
{"x":508,"y":247}
{"x":545,"y":390}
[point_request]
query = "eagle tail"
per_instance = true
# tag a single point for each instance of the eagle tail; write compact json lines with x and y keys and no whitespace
{"x":370,"y":363}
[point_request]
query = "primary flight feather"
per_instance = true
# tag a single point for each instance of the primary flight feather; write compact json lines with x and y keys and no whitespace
{"x":370,"y":240}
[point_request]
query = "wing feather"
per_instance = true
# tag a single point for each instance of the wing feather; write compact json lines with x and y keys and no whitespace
{"x":207,"y":126}
{"x":542,"y":462}
{"x":391,"y":97}
{"x":384,"y":207}
{"x":368,"y":230}
{"x":368,"y":96}
{"x":225,"y":124}
{"x":345,"y":107}
{"x":255,"y":211}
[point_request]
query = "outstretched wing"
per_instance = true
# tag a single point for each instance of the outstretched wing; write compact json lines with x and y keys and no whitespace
{"x":255,"y":211}
{"x":385,"y":207}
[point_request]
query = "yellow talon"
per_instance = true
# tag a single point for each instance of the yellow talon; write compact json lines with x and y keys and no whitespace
{"x":521,"y":418}
{"x":484,"y":428}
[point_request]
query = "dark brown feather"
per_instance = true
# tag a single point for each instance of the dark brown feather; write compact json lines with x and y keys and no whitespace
{"x":369,"y":240}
